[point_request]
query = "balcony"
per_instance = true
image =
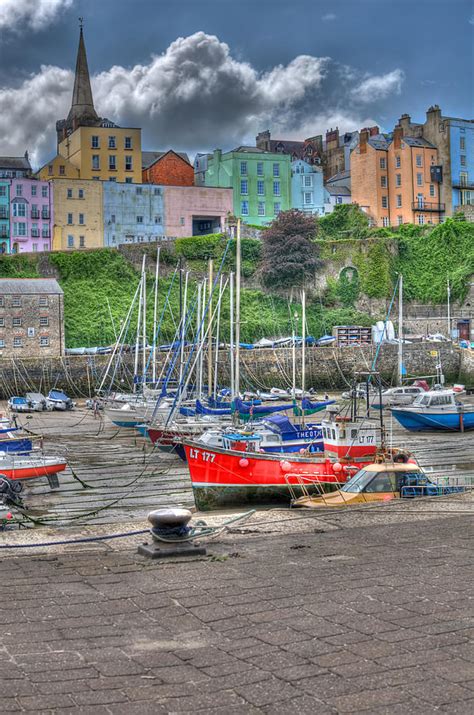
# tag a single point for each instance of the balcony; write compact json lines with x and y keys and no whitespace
{"x":45,"y":215}
{"x":35,"y":214}
{"x":428,"y":206}
{"x":35,"y":233}
{"x":467,"y":185}
{"x":45,"y":233}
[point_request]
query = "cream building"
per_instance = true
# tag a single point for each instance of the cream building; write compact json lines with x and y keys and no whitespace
{"x":78,"y":214}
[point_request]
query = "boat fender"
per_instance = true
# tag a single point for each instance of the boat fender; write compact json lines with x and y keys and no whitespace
{"x":401,"y":458}
{"x":337,"y":466}
{"x":285,"y":466}
{"x":243,"y":462}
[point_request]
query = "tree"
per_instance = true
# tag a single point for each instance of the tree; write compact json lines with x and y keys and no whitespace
{"x":346,"y":221}
{"x":290,"y":255}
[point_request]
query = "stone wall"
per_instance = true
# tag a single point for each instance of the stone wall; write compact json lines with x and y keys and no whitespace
{"x":326,"y":368}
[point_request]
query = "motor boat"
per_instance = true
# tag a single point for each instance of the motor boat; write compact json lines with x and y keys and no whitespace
{"x":58,"y":400}
{"x":436,"y":410}
{"x":37,"y":401}
{"x":19,"y":404}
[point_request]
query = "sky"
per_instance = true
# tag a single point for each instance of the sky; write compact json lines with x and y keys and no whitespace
{"x":203,"y":74}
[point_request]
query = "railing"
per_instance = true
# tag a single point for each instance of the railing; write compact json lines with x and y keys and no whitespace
{"x":427,"y":206}
{"x":45,"y":234}
{"x":457,"y":184}
{"x":35,"y":233}
{"x":35,"y":214}
{"x":45,"y":215}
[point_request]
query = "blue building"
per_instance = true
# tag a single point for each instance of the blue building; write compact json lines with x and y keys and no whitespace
{"x":4,"y":216}
{"x":133,"y":213}
{"x":461,"y":142}
{"x":307,"y":187}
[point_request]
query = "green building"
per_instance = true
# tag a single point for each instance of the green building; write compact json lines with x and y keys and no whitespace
{"x":261,"y":181}
{"x":4,"y":216}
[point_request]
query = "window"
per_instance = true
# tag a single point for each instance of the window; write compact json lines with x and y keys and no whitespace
{"x":111,"y":142}
{"x":44,"y":341}
{"x":44,"y":192}
{"x":16,"y":322}
{"x":400,"y":220}
{"x":95,"y":162}
{"x":419,"y":179}
{"x":2,"y":322}
{"x":308,"y":197}
{"x":69,"y":219}
{"x":44,"y":322}
{"x":2,"y":301}
{"x":384,"y":202}
{"x":432,"y":190}
{"x":139,"y":219}
{"x":50,"y":169}
{"x":276,"y":208}
{"x":260,"y":168}
{"x":95,"y":142}
{"x":3,"y":190}
{"x":35,"y":247}
{"x":128,"y":142}
{"x":261,"y":208}
{"x":2,"y":343}
{"x":33,"y":190}
{"x":19,"y":209}
{"x":112,"y":162}
{"x":243,"y":168}
{"x":383,"y":163}
{"x":463,"y":178}
{"x":70,"y":241}
{"x":276,"y":188}
{"x":128,"y":180}
{"x":419,"y":160}
{"x":244,"y":208}
{"x":157,"y":192}
{"x":128,"y":163}
{"x":139,"y":191}
{"x":43,"y":301}
{"x":80,"y":194}
{"x":81,"y":219}
{"x":462,"y":159}
{"x":398,"y":179}
{"x":157,"y":219}
{"x":398,"y":161}
{"x":16,"y":301}
{"x":182,"y":220}
{"x":17,"y":343}
{"x":19,"y":229}
{"x":338,"y":199}
{"x":82,"y":241}
{"x":261,"y":188}
{"x":244,"y":186}
{"x":19,"y":189}
{"x":112,"y":218}
{"x":399,"y":201}
{"x":383,"y":182}
{"x":45,"y":246}
{"x":276,"y":169}
{"x":421,"y":219}
{"x":462,"y":143}
{"x":112,"y":178}
{"x":385,"y":221}
{"x":69,"y":193}
{"x":62,"y":170}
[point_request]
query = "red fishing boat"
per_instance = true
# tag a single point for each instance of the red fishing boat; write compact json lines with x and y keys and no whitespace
{"x":238,"y":473}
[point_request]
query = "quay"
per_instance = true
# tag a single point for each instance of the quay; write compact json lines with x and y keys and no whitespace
{"x":363,"y":609}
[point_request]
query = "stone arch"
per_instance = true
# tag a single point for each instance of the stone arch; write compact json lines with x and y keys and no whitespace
{"x":349,"y":273}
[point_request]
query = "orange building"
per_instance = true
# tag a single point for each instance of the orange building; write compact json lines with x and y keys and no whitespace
{"x":167,"y":168}
{"x":392,"y":181}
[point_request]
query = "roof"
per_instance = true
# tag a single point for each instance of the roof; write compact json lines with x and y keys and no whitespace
{"x":417,"y":141}
{"x":379,"y":142}
{"x":252,"y":149}
{"x":151,"y":157}
{"x":339,"y":177}
{"x":26,"y":286}
{"x":392,"y":467}
{"x":338,"y":190}
{"x":15,"y":162}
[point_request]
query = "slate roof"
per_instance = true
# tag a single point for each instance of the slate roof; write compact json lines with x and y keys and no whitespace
{"x":150,"y":157}
{"x":21,"y":163}
{"x":339,"y":177}
{"x":26,"y":286}
{"x":253,"y":149}
{"x":338,"y":190}
{"x":417,"y":141}
{"x":379,"y":142}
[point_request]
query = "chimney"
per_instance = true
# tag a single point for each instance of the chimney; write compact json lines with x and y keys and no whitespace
{"x":217,"y":156}
{"x":405,"y":123}
{"x":363,"y":139}
{"x":397,"y":136}
{"x":262,"y":140}
{"x":433,"y":114}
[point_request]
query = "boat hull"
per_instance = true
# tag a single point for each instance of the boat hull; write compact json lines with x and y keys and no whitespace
{"x":25,"y":470}
{"x":425,"y":421}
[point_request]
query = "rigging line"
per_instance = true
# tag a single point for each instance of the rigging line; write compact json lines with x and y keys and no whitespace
{"x":158,"y":328}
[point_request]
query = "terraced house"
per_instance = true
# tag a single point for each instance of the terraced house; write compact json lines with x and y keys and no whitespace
{"x":261,"y":181}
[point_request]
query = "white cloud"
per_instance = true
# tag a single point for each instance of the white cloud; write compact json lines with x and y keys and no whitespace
{"x":375,"y":87}
{"x":471,"y":20}
{"x":36,"y":14}
{"x":329,"y":17}
{"x":195,"y":96}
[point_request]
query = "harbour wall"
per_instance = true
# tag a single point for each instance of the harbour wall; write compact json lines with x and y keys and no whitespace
{"x":326,"y":368}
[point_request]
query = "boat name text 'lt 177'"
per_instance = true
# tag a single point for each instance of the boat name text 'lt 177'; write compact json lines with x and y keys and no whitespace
{"x":205,"y":456}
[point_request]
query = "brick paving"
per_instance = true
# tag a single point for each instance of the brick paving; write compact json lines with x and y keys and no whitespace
{"x":373,"y":619}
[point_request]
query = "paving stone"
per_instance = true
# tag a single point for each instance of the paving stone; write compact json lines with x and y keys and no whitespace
{"x":437,"y":691}
{"x":368,"y":698}
{"x":38,"y":702}
{"x":267,"y":692}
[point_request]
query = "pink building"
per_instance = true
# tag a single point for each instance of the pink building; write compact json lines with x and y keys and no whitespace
{"x":31,"y":215}
{"x":195,"y":210}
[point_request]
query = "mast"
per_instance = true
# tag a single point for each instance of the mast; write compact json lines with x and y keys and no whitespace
{"x":217,"y":337}
{"x":231,"y":337}
{"x":155,"y":307}
{"x":209,"y":325}
{"x":198,"y":322}
{"x":449,"y":310}
{"x":201,"y":333}
{"x":137,"y":341}
{"x":237,"y":314}
{"x":293,"y":358}
{"x":400,"y":329}
{"x":183,"y":327}
{"x":144,"y":325}
{"x":303,"y":348}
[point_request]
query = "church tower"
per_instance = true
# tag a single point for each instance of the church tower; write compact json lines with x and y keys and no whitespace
{"x":82,"y":112}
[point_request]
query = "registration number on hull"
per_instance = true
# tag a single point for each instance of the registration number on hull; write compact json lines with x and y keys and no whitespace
{"x":198,"y":454}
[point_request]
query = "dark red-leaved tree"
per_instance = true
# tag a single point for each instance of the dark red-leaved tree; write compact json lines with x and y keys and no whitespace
{"x":290,"y":256}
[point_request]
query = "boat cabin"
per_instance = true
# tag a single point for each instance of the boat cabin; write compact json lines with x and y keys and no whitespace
{"x":439,"y":399}
{"x":347,"y":440}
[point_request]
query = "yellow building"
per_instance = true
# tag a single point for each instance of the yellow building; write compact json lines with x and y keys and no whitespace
{"x":89,"y":146}
{"x":78,"y":214}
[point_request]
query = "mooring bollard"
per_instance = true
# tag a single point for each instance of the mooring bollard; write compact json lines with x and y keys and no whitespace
{"x":172,"y":535}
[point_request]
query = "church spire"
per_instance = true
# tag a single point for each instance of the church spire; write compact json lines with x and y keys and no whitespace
{"x":82,"y":110}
